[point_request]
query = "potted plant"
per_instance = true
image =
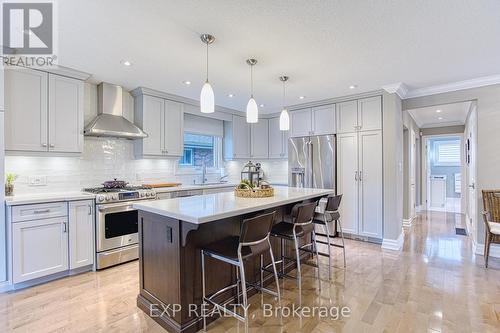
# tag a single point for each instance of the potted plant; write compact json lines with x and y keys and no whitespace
{"x":9,"y":183}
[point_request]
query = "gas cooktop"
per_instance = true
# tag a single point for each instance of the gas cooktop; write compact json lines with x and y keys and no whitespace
{"x":126,"y":193}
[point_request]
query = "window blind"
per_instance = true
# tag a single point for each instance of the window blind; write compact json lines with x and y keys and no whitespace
{"x":447,"y":152}
{"x":203,"y":125}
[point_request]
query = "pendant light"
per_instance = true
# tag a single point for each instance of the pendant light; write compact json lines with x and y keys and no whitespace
{"x":284,"y":116}
{"x":252,"y":109}
{"x":207,"y":100}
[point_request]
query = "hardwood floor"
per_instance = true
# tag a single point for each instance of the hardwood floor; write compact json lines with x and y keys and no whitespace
{"x":435,"y":284}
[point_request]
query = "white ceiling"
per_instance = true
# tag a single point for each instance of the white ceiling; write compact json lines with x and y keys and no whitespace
{"x":451,"y":114}
{"x":324,"y":46}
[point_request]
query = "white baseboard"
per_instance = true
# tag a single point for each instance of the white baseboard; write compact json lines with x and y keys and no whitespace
{"x":394,"y":244}
{"x":408,"y":222}
{"x":5,"y":286}
{"x":418,"y":209}
{"x":494,"y":250}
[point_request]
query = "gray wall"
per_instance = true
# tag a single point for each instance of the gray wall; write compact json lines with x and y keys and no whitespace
{"x":488,"y":135}
{"x":393,"y":165}
{"x":443,"y":130}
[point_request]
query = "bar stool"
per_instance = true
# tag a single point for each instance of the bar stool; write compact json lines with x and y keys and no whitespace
{"x":301,"y":225}
{"x":331,"y":214}
{"x":253,"y":241}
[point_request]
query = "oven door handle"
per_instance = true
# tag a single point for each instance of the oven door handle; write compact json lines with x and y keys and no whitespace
{"x":126,"y":205}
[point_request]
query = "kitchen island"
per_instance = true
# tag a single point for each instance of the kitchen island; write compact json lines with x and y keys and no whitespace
{"x":171,"y":233}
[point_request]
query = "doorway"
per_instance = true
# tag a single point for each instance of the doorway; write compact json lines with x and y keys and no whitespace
{"x":445,"y":163}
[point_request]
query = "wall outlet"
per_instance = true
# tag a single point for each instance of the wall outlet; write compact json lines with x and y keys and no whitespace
{"x":37,"y":181}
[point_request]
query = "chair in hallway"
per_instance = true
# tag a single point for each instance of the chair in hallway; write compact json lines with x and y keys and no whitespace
{"x":491,"y":218}
{"x":331,"y":216}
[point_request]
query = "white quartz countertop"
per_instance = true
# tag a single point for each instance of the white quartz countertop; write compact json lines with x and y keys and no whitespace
{"x":210,"y":207}
{"x":192,"y":187}
{"x":27,"y":199}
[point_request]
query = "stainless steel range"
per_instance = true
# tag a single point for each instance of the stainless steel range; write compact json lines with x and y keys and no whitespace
{"x":116,"y":222}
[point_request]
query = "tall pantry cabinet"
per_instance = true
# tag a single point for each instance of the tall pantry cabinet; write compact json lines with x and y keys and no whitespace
{"x":359,"y":166}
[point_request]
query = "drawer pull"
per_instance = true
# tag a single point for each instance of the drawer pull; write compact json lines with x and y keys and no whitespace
{"x":43,"y":211}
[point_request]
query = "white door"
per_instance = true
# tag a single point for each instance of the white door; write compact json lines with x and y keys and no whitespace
{"x":370,"y":184}
{"x":370,"y":113}
{"x":65,"y":114}
{"x":39,"y":248}
{"x":300,"y":123}
{"x":347,"y":184}
{"x":437,"y":192}
{"x":323,"y":120}
{"x":81,"y":234}
{"x":26,"y":110}
{"x":241,"y":137}
{"x":275,"y":138}
{"x":347,"y":117}
{"x":174,"y":128}
{"x":412,"y":157}
{"x":153,"y":124}
{"x":259,"y":137}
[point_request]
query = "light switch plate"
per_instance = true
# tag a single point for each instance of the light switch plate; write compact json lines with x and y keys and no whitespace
{"x":37,"y":180}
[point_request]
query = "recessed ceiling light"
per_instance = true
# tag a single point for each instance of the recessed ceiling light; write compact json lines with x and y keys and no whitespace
{"x":438,"y":111}
{"x":126,"y":63}
{"x":262,"y":105}
{"x":440,"y":118}
{"x":302,"y":97}
{"x":353,"y":86}
{"x":230,"y":95}
{"x":186,"y":82}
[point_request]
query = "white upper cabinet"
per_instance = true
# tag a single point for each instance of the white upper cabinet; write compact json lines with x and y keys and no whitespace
{"x":81,"y":234}
{"x":26,"y":111}
{"x":347,"y":117}
{"x":300,"y":123}
{"x":174,"y":128}
{"x":360,"y":115}
{"x":44,"y":112}
{"x":314,"y":121}
{"x":65,"y":114}
{"x":163,"y":121}
{"x":259,"y":139}
{"x":236,"y":138}
{"x":323,"y":120}
{"x":370,"y":113}
{"x":278,"y":140}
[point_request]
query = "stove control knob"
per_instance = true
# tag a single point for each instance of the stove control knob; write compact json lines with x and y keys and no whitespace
{"x":100,"y":198}
{"x":115,"y":196}
{"x":108,"y":197}
{"x":148,"y":194}
{"x":143,"y":194}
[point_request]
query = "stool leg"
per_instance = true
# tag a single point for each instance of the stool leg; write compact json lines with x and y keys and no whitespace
{"x":276,"y":280}
{"x":261,"y":279}
{"x":238,"y":284}
{"x":299,"y":274}
{"x":327,"y":232}
{"x":317,"y":257}
{"x":342,"y":235}
{"x":203,"y":290}
{"x":244,"y":291}
{"x":282,"y":250}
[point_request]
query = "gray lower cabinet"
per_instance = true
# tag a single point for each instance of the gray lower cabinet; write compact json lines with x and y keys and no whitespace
{"x":39,"y":248}
{"x":51,"y":238}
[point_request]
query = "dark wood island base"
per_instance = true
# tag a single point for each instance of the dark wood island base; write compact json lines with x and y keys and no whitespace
{"x":170,"y":268}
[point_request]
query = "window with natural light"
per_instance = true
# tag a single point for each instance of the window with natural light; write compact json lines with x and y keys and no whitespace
{"x":447,"y":153}
{"x":199,"y":148}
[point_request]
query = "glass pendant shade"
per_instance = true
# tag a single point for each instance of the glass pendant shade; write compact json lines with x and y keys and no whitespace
{"x":284,"y":120}
{"x":252,"y":111}
{"x":207,"y":100}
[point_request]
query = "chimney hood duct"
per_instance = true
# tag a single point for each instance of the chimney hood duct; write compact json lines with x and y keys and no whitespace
{"x":110,"y":121}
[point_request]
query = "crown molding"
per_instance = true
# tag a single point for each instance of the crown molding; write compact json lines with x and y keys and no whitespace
{"x":454,"y":86}
{"x":334,"y":100}
{"x":398,"y":88}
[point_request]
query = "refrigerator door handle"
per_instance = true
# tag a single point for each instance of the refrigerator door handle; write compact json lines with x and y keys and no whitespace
{"x":356,"y":176}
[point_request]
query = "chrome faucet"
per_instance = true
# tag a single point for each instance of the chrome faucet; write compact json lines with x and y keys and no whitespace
{"x":203,"y":171}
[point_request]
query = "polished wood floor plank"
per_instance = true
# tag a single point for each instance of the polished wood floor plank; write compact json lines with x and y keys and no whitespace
{"x":436,"y":284}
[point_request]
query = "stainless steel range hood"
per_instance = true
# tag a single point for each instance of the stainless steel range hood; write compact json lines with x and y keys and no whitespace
{"x":110,"y":121}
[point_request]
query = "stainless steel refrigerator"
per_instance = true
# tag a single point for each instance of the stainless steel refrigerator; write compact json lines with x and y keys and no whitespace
{"x":312,"y":161}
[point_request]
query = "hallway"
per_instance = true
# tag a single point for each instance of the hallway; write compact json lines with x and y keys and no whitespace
{"x":435,"y":284}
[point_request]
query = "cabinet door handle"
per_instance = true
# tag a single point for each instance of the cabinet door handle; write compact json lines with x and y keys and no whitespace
{"x":52,"y":145}
{"x":44,"y":145}
{"x":90,"y":210}
{"x":360,"y":176}
{"x":65,"y":227}
{"x":42,"y":211}
{"x":356,"y":176}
